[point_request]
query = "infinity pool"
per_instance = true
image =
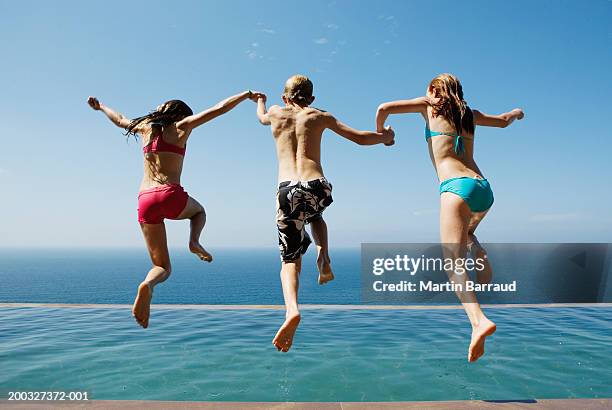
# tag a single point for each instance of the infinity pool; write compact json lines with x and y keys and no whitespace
{"x":338,"y":355}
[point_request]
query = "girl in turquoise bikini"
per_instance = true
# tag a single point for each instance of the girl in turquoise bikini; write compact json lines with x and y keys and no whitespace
{"x":465,"y":195}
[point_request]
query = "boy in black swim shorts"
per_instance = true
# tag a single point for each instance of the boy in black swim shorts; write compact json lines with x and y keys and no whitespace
{"x":303,"y":192}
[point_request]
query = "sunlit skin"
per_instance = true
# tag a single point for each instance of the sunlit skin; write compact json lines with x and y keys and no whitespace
{"x":457,"y":222}
{"x":165,"y":168}
{"x":297,"y":130}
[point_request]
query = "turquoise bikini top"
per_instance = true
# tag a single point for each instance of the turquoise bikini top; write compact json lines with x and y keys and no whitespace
{"x":458,"y":138}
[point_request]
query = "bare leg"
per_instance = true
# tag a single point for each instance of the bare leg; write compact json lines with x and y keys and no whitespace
{"x":290,"y":274}
{"x":155,"y":237}
{"x":454,"y":221}
{"x":318,"y":227}
{"x":477,"y":251}
{"x":194,"y":211}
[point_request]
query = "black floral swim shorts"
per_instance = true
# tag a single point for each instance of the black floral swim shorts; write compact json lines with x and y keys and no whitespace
{"x":298,"y":203}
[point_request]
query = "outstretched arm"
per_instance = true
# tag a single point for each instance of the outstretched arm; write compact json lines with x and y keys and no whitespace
{"x":361,"y":137}
{"x":117,"y":118}
{"x":218,"y":109}
{"x":500,"y":121}
{"x":399,"y":107}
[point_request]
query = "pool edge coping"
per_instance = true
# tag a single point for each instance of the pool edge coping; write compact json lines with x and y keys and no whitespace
{"x":594,"y":403}
{"x":303,"y":306}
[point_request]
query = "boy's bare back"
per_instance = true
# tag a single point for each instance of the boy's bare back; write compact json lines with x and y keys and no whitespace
{"x":297,"y":133}
{"x":297,"y":130}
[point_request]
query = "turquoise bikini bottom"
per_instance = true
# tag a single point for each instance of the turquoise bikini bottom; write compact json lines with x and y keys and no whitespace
{"x":475,"y":192}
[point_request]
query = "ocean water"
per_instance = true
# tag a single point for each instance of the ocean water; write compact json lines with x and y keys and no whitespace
{"x":236,"y":276}
{"x":338,"y":355}
{"x":251,"y":276}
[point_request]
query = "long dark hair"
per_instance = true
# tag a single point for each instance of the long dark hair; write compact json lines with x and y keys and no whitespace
{"x":169,"y":112}
{"x":451,"y":105}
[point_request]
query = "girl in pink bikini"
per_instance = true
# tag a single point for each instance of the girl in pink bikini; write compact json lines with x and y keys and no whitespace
{"x":164,"y":135}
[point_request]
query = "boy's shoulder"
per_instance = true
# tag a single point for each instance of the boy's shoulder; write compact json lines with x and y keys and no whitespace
{"x":313,"y":113}
{"x":274,"y":107}
{"x":318,"y":113}
{"x":319,"y":110}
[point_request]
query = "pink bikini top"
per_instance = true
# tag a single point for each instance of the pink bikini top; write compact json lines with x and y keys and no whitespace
{"x":158,"y":144}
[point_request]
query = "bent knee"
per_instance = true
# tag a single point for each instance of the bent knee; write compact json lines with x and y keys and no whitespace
{"x":454,"y":251}
{"x":200,"y":212}
{"x":196,"y":207}
{"x":165,"y":266}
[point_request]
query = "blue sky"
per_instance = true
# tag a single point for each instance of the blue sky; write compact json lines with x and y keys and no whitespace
{"x":70,"y":179}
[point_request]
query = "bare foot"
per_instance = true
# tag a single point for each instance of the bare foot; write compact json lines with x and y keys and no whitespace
{"x":142,"y":305}
{"x":284,"y":337}
{"x":325,"y":271}
{"x":478,"y":252}
{"x":196,"y":248}
{"x":479,"y":334}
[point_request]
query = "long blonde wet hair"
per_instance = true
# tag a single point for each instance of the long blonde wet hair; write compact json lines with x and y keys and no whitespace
{"x":451,"y":105}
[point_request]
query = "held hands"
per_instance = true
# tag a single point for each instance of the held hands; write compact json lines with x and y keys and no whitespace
{"x":255,"y":96}
{"x":94,"y":103}
{"x":518,"y":113}
{"x":389,"y":136}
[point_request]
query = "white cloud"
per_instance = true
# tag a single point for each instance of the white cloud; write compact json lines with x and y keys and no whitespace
{"x":387,"y":18}
{"x":332,"y":26}
{"x":321,"y":40}
{"x":268,"y":31}
{"x":255,"y":45}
